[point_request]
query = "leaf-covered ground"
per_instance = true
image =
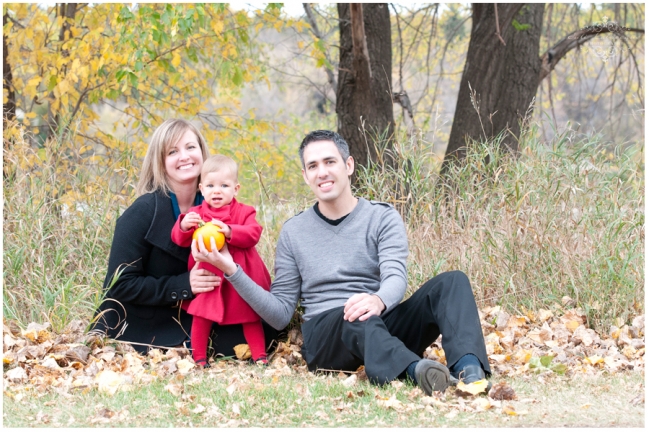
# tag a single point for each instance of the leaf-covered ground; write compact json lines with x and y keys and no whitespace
{"x":549,"y":369}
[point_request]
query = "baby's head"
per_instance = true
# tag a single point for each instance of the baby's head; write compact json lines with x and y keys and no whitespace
{"x":219,"y":180}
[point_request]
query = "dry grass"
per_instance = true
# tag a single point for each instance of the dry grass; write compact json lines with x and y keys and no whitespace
{"x":563,"y":219}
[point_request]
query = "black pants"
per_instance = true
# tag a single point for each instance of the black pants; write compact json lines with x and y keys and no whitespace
{"x":387,"y":344}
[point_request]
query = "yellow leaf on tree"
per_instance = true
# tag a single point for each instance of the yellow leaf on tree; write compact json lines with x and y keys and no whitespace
{"x":175,"y":61}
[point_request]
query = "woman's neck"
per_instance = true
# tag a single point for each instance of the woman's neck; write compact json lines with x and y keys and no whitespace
{"x":185,"y":195}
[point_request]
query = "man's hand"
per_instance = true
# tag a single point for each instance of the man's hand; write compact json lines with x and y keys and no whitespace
{"x":221,"y":260}
{"x":201,"y":280}
{"x":363,"y":306}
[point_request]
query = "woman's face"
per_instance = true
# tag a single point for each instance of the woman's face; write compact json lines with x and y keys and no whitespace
{"x":184,"y":160}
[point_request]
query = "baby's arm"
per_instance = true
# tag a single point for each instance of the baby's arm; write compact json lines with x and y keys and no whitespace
{"x":181,"y":236}
{"x":190,"y":221}
{"x":247,"y":232}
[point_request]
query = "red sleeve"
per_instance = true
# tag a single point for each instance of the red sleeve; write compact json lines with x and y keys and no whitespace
{"x":180,"y":237}
{"x":246,"y":232}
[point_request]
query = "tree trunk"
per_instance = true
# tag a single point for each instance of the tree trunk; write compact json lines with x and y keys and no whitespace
{"x":8,"y":107}
{"x":363,"y":97}
{"x":503,"y":78}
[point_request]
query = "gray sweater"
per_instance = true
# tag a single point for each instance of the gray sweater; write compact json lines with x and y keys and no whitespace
{"x":323,"y":265}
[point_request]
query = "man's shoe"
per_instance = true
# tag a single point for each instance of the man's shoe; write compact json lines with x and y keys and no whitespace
{"x":432,"y":376}
{"x":471,"y":373}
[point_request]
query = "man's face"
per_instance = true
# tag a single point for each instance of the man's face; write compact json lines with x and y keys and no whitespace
{"x":325,"y":171}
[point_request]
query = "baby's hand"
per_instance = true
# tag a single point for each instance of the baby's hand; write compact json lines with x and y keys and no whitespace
{"x":191,"y":220}
{"x":224,"y":228}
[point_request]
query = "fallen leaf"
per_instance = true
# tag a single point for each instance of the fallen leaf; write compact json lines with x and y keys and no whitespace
{"x":509,"y":410}
{"x":37,"y":332}
{"x":544,"y":315}
{"x":481,"y":404}
{"x":572,"y":325}
{"x":16,"y":374}
{"x":393,"y":403}
{"x":502,"y":391}
{"x":108,"y":381}
{"x":155,"y":356}
{"x":242,"y":351}
{"x":184,"y":366}
{"x":236,"y":409}
{"x":501,"y":320}
{"x":199,"y":409}
{"x":472,"y":389}
{"x":516,"y":321}
{"x":350,"y":381}
{"x":593,"y":360}
{"x":567,"y":301}
{"x":174,"y":389}
{"x":50,"y":363}
{"x":452,"y":414}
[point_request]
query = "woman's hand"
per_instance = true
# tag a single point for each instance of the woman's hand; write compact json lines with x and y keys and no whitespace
{"x":202,"y":280}
{"x":221,"y":260}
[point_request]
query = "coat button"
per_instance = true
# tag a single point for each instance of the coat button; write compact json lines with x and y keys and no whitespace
{"x":185,"y":294}
{"x":174,"y":296}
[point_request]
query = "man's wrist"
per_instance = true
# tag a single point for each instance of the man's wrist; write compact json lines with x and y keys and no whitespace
{"x":381,"y":300}
{"x":230,"y":272}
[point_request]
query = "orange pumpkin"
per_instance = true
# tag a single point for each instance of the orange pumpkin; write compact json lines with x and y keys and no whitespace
{"x":209,"y":230}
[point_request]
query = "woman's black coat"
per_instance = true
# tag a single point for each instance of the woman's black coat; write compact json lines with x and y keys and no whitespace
{"x":143,"y":304}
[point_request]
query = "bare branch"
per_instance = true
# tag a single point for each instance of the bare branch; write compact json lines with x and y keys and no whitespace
{"x":316,"y":31}
{"x":498,"y":25}
{"x":574,"y":40}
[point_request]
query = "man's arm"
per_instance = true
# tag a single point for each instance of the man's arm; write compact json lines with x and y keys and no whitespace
{"x":275,"y":307}
{"x":393,"y":254}
{"x":392,"y":247}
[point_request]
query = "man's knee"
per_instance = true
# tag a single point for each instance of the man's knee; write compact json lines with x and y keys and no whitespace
{"x":354,"y":331}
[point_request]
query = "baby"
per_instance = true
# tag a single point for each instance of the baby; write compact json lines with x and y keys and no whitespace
{"x":219,"y":186}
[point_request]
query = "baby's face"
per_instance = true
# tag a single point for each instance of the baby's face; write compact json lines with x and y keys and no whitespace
{"x":218,"y":188}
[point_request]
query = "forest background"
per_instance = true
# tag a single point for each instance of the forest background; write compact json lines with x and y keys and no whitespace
{"x":558,"y":223}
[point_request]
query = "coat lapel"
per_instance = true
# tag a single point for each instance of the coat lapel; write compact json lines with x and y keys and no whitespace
{"x":159,"y":233}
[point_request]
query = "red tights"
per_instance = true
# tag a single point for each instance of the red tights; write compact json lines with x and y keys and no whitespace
{"x":202,"y":327}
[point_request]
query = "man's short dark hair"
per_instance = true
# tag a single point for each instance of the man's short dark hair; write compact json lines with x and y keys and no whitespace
{"x":325,"y":135}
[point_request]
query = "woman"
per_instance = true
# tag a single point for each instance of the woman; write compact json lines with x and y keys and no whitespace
{"x":147,"y":274}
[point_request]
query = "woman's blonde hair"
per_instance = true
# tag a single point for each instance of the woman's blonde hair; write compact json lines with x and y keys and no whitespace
{"x":153,"y":176}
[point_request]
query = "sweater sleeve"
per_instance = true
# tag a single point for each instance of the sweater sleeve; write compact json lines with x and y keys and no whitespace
{"x":393,"y":252}
{"x":277,"y":306}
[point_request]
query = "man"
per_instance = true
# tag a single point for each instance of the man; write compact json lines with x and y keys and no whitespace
{"x":344,"y":259}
